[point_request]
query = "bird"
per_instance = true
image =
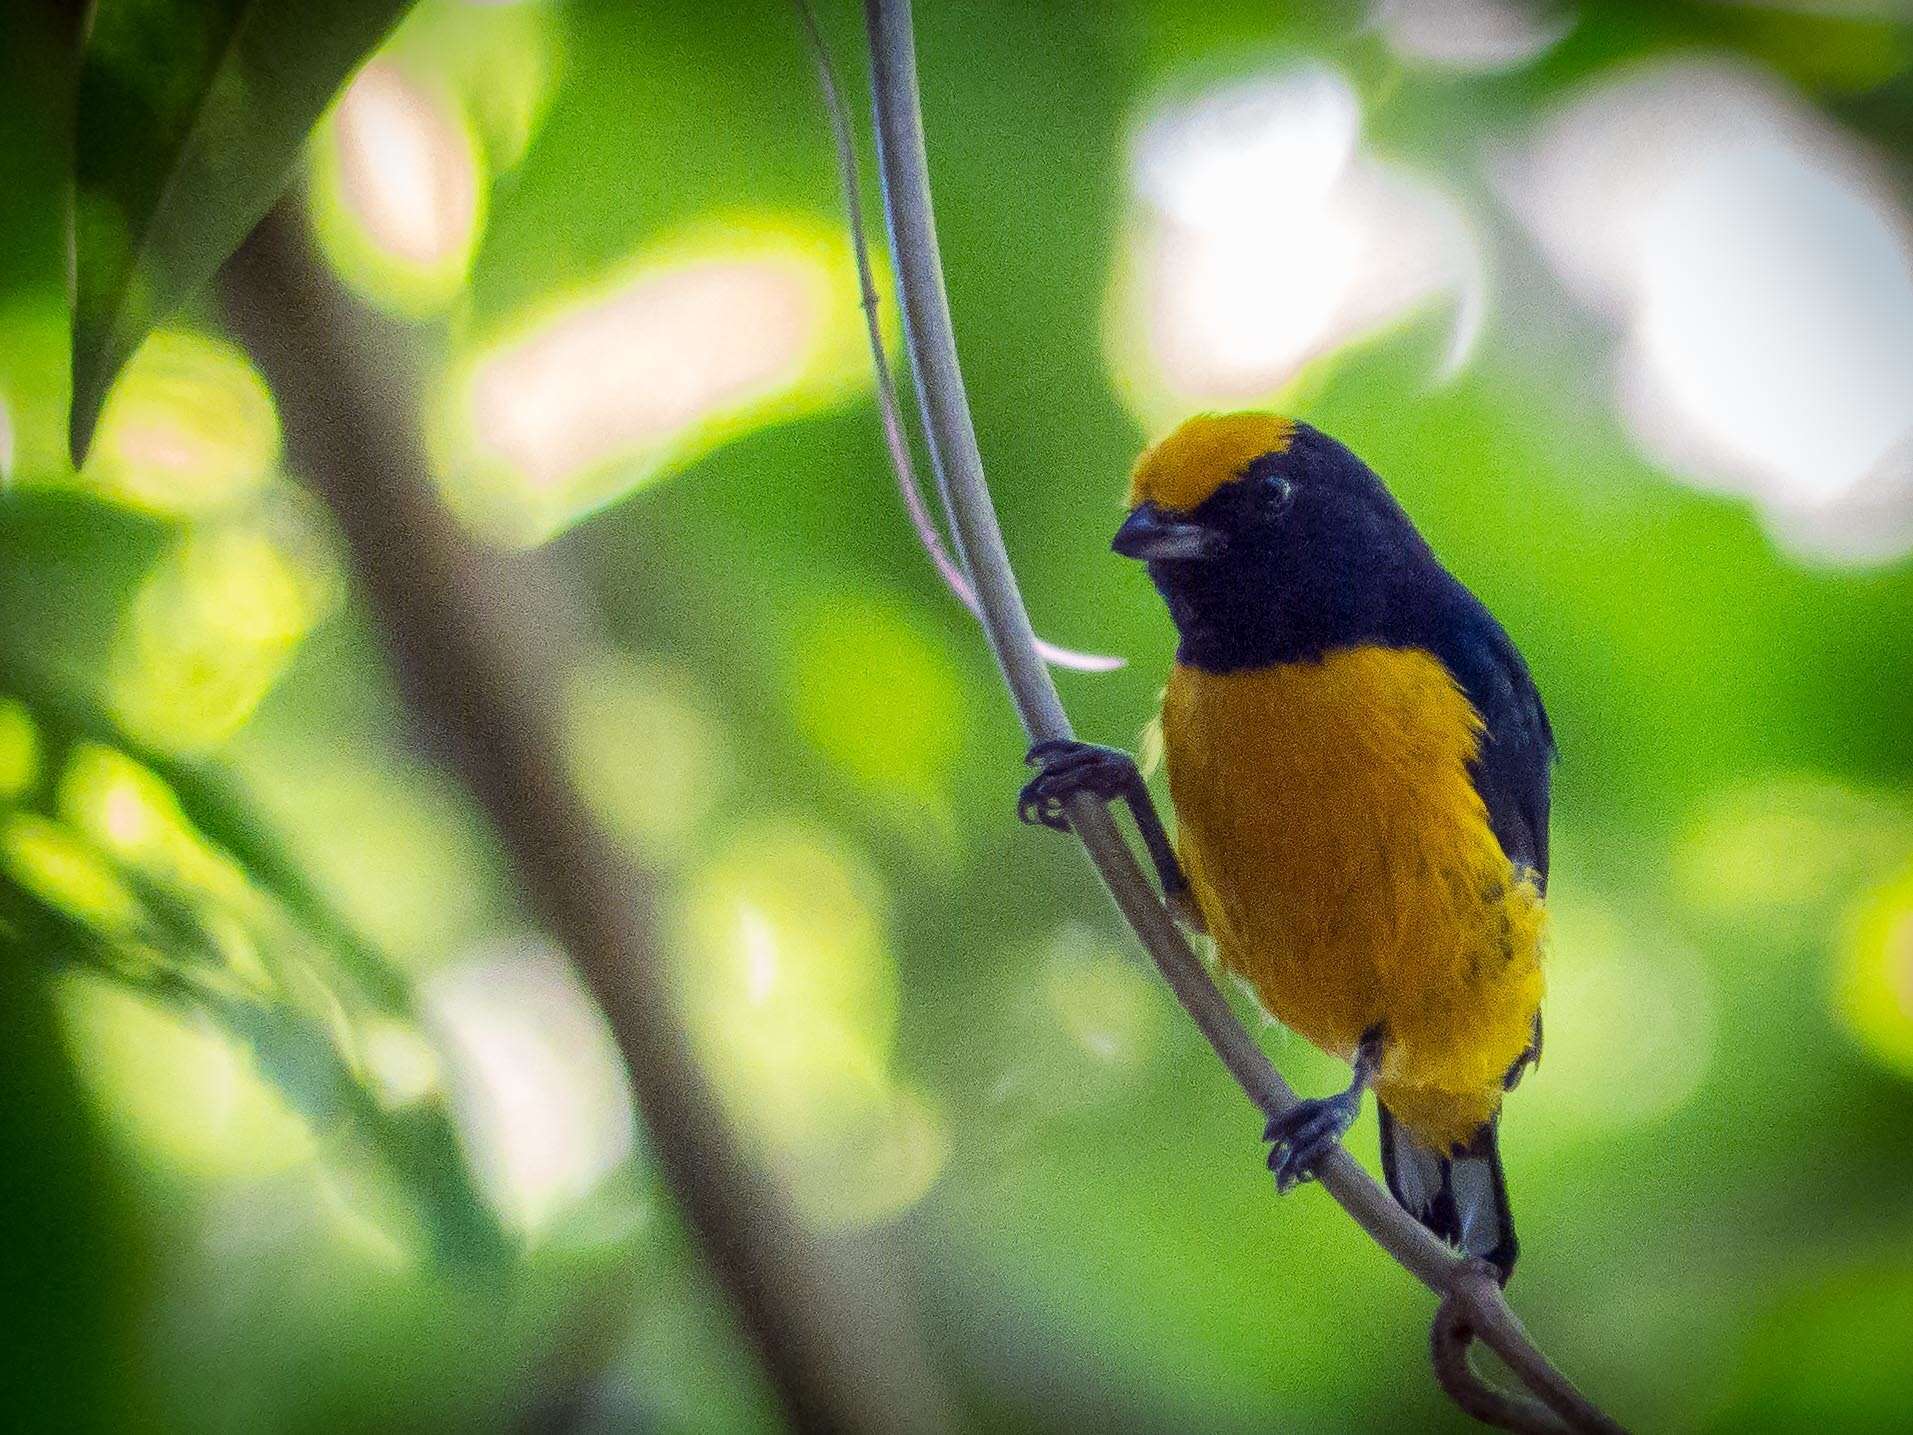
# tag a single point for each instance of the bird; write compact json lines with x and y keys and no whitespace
{"x":1358,"y":762}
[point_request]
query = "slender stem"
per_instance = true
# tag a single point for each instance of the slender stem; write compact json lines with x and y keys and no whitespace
{"x":476,"y":661}
{"x":933,"y":360}
{"x":932,"y":343}
{"x":1450,"y":1340}
{"x":896,"y":443}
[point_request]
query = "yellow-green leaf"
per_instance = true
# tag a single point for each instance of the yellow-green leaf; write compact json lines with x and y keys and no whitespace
{"x":191,"y":115}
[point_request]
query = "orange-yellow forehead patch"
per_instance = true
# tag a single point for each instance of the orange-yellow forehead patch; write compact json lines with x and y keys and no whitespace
{"x":1207,"y":451}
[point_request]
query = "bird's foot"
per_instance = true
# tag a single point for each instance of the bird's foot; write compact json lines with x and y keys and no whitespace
{"x":1067,"y":768}
{"x":1304,"y":1134}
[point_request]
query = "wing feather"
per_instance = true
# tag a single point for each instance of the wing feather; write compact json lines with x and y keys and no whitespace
{"x":1512,"y":770}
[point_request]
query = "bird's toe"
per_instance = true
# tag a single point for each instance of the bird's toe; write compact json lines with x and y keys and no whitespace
{"x":1303,"y":1135}
{"x":1068,"y":768}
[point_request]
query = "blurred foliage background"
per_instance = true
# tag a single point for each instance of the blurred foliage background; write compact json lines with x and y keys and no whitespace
{"x":304,"y":1127}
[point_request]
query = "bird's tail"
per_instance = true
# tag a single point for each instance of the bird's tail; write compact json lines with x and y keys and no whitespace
{"x":1462,"y":1197}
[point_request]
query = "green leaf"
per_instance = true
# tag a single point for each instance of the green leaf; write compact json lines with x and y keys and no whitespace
{"x":301,"y":1025}
{"x":297,"y":1049}
{"x":75,"y":1272}
{"x":220,"y":810}
{"x":191,"y":116}
{"x":418,"y":1144}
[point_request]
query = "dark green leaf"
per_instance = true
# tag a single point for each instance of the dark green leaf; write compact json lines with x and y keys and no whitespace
{"x":74,"y":1271}
{"x":191,"y":115}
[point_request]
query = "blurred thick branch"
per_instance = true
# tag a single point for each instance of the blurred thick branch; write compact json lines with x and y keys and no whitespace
{"x":1472,"y":1305}
{"x":478,"y":659}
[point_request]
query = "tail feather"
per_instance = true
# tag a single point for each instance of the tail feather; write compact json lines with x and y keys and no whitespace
{"x":1461,"y":1197}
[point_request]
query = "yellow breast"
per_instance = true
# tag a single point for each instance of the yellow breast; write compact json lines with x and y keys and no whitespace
{"x":1343,"y":860}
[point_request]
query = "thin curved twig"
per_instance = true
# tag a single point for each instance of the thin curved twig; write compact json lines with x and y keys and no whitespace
{"x":896,"y":443}
{"x":1451,"y":1340}
{"x":1475,"y":1307}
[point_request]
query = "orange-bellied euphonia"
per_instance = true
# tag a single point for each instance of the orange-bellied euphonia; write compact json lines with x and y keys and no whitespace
{"x":1358,"y":761}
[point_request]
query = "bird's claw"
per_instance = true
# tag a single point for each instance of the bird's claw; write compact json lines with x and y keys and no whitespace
{"x":1067,"y":768}
{"x":1304,"y":1134}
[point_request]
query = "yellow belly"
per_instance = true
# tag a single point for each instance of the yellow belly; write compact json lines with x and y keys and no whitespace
{"x":1343,"y":861}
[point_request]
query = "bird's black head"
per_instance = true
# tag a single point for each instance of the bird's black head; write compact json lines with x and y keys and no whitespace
{"x":1271,"y":542}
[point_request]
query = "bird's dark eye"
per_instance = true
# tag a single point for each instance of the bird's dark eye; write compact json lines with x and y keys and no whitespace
{"x":1249,"y":502}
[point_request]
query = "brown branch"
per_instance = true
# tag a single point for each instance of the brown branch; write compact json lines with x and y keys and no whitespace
{"x":477,"y":674}
{"x":1474,"y":1307}
{"x":1451,"y":1339}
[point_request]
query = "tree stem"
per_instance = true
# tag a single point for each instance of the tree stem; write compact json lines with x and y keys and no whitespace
{"x":478,"y":674}
{"x":1475,"y":1308}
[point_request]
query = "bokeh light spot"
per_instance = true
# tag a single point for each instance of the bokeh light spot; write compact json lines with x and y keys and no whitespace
{"x":1265,"y":238}
{"x":401,"y":817}
{"x":178,"y":1086}
{"x":705,"y":337}
{"x":1643,"y":1026}
{"x":1214,"y":160}
{"x":744,"y":325}
{"x":788,"y":917}
{"x":791,"y":995}
{"x":874,"y":690}
{"x":208,"y":634}
{"x":398,"y":190}
{"x":882,"y":1163}
{"x":1472,"y":36}
{"x":189,"y":429}
{"x":537,"y":1086}
{"x":647,"y":753}
{"x":1102,"y":1001}
{"x":403,"y":1066}
{"x":1760,"y":274}
{"x":1779,"y":860}
{"x":55,"y":864}
{"x":1874,"y":984}
{"x":19,"y":750}
{"x":1080,"y":1022}
{"x":128,"y":812}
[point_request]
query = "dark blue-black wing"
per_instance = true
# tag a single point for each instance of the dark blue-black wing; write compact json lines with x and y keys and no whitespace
{"x":1511,"y":772}
{"x":1512,"y":769}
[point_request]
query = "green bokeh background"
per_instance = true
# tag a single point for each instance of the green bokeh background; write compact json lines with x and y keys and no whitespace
{"x":1712,"y":1170}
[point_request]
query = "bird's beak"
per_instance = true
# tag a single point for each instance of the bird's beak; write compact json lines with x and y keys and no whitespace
{"x":1150,"y":533}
